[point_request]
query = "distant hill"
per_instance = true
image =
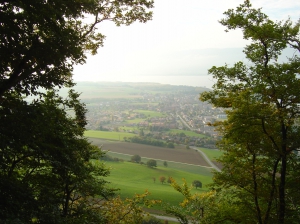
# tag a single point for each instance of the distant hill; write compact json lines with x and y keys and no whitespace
{"x":119,"y":90}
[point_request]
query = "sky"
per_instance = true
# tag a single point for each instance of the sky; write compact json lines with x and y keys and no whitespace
{"x":178,"y":46}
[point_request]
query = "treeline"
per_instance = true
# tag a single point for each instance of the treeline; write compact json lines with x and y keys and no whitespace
{"x":149,"y":141}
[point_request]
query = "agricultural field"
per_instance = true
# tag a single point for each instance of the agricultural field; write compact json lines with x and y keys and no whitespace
{"x":132,"y":178}
{"x":149,"y":113}
{"x":116,"y":136}
{"x":190,"y":168}
{"x":178,"y":154}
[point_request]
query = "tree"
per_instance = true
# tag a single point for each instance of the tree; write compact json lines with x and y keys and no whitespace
{"x":169,"y":180}
{"x":141,"y":133}
{"x":152,"y":220}
{"x":63,"y":32}
{"x":129,"y":210}
{"x":165,"y":164}
{"x":170,"y":145}
{"x":262,"y":101}
{"x":197,"y":183}
{"x":162,"y":179}
{"x":209,"y":207}
{"x":47,"y":170}
{"x":136,"y":158}
{"x":151,"y":163}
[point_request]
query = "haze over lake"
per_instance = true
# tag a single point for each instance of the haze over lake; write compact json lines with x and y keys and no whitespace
{"x":197,"y":81}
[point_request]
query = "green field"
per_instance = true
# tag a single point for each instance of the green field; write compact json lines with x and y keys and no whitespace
{"x":187,"y":133}
{"x":129,"y":128}
{"x":153,"y":104}
{"x":172,"y":165}
{"x":150,"y":113}
{"x":212,"y":154}
{"x":134,"y":178}
{"x":137,"y":120}
{"x":117,"y":136}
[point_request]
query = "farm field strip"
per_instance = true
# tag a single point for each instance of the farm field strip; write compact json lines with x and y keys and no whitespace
{"x":164,"y":160}
{"x":189,"y":156}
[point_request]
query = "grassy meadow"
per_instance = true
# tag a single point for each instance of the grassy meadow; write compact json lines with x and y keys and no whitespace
{"x":132,"y":178}
{"x":110,"y":135}
{"x":212,"y":154}
{"x":150,"y":113}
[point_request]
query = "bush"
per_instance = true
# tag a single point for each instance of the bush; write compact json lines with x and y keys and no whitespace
{"x":162,"y":179}
{"x":151,"y":220}
{"x":151,"y":163}
{"x":107,"y":158}
{"x":170,"y":145}
{"x":136,"y":158}
{"x":197,"y":183}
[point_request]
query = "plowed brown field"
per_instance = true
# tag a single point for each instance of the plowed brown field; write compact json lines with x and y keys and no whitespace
{"x":178,"y":154}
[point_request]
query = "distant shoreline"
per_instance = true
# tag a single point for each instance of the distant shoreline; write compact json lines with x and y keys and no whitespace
{"x":205,"y":81}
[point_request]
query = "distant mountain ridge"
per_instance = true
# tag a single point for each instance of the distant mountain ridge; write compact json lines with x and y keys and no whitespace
{"x":119,"y":90}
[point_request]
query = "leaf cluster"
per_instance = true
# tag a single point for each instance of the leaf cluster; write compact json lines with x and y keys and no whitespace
{"x":40,"y":51}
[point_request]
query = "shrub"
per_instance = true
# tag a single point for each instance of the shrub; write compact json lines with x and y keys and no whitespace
{"x":136,"y":158}
{"x":151,"y":163}
{"x":151,"y":220}
{"x":162,"y":179}
{"x":197,"y":183}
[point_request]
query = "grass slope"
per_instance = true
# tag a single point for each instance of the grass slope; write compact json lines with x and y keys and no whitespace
{"x":132,"y":178}
{"x":212,"y":154}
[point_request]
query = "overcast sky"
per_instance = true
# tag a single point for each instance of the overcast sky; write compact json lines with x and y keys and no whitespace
{"x":178,"y":46}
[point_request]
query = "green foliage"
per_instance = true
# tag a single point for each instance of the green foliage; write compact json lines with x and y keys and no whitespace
{"x":141,"y":133}
{"x":62,"y":32}
{"x":197,"y":183}
{"x":170,"y":145}
{"x":183,"y":133}
{"x":136,"y":158}
{"x":129,"y":210}
{"x":151,"y":220}
{"x":209,"y":207}
{"x":162,"y":179}
{"x":261,"y":131}
{"x":149,"y":141}
{"x":151,"y":163}
{"x":46,"y":170}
